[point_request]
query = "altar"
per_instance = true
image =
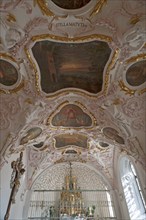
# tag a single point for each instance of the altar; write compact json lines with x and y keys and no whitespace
{"x":72,"y":206}
{"x":71,"y":201}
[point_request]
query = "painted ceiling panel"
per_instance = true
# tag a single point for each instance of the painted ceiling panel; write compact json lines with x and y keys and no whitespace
{"x":66,"y":140}
{"x":8,"y":73}
{"x":71,"y":116}
{"x":69,"y":65}
{"x":136,"y":74}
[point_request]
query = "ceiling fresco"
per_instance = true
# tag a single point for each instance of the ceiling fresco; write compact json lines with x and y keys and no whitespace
{"x":83,"y":68}
{"x":113,"y":134}
{"x":136,"y":74}
{"x":103,"y":144}
{"x":71,"y":4}
{"x":71,"y":116}
{"x":65,"y":140}
{"x":8,"y":73}
{"x":79,"y":66}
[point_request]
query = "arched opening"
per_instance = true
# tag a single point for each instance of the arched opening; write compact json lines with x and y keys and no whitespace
{"x":132,"y":190}
{"x":70,"y":192}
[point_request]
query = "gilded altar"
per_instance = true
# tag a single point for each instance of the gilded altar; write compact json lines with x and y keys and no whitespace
{"x":71,"y":201}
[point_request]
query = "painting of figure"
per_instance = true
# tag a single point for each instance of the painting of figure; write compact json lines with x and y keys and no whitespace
{"x":8,"y":73}
{"x":65,"y":140}
{"x":136,"y":74}
{"x":69,"y":65}
{"x":71,"y":116}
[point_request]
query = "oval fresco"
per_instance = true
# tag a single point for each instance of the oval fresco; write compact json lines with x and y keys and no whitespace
{"x":65,"y":140}
{"x":103,"y":144}
{"x":8,"y":73}
{"x":113,"y":134}
{"x":71,"y":116}
{"x":136,"y":74}
{"x":70,"y":151}
{"x":39,"y":145}
{"x":31,"y":134}
{"x":71,"y":4}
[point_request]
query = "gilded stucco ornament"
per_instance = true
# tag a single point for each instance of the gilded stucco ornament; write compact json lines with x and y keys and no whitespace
{"x":87,"y":38}
{"x":136,"y":58}
{"x":98,"y":7}
{"x":11,"y":18}
{"x":134,"y":19}
{"x":44,"y":8}
{"x":14,"y":90}
{"x":127,"y":90}
{"x":142,"y":91}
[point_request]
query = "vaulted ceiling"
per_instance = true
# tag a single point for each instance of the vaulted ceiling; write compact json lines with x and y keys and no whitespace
{"x":72,"y":77}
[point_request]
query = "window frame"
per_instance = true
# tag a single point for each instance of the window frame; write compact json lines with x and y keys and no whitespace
{"x":135,"y":202}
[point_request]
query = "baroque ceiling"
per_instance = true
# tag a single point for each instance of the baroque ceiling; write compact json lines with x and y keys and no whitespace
{"x":73,"y":76}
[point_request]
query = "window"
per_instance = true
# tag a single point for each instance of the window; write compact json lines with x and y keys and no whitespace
{"x":110,"y":204}
{"x":132,"y":191}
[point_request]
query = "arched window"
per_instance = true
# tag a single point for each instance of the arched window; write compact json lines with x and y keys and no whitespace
{"x":110,"y":205}
{"x":132,"y":191}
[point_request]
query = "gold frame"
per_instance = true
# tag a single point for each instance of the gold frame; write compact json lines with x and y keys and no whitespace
{"x":45,"y":10}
